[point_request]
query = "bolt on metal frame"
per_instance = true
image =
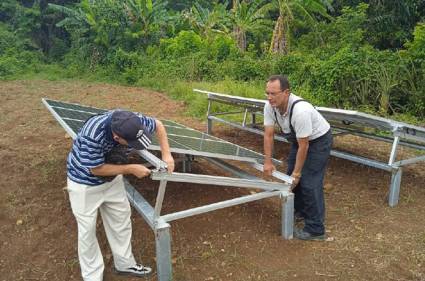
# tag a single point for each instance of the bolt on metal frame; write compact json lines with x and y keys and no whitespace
{"x":159,"y":223}
{"x":400,"y":133}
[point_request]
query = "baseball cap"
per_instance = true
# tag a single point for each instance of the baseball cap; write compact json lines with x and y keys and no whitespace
{"x":128,"y":126}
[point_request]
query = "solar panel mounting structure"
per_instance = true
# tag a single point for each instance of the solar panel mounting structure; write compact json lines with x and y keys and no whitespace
{"x":343,"y":122}
{"x":189,"y":143}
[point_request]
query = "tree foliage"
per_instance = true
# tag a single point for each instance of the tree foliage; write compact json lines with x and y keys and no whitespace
{"x":366,"y":54}
{"x":288,"y":10}
{"x":249,"y":17}
{"x":207,"y":21}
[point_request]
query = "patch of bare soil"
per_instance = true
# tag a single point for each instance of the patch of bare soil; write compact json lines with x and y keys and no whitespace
{"x":38,"y":233}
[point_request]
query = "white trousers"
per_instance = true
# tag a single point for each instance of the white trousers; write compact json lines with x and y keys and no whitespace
{"x":111,"y":199}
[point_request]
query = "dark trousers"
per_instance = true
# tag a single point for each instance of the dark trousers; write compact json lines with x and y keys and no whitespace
{"x":309,"y":199}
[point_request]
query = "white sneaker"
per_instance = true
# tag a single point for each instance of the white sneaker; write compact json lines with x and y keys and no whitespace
{"x":137,"y":270}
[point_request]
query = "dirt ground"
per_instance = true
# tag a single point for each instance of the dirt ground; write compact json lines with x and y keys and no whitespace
{"x":38,"y":233}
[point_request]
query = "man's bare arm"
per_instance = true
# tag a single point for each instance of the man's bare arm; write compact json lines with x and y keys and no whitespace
{"x":268,"y":150}
{"x":138,"y":170}
{"x":165,"y":147}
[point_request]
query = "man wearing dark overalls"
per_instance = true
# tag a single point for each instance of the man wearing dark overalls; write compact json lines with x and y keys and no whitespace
{"x":311,"y":140}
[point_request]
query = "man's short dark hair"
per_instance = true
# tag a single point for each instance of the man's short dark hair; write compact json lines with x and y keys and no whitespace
{"x":284,"y":83}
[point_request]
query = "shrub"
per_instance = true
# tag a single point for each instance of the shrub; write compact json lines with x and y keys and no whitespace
{"x":185,"y":43}
{"x":222,"y":48}
{"x":246,"y":69}
{"x":335,"y":77}
{"x":416,"y":48}
{"x":8,"y":66}
{"x":122,"y":60}
{"x":7,"y":39}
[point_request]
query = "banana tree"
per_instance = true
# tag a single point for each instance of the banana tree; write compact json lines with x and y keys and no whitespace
{"x":248,"y":17}
{"x":288,"y":10}
{"x":100,"y":22}
{"x":147,"y":17}
{"x":206,"y":22}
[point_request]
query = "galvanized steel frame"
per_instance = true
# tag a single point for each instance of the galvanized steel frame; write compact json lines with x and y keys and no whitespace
{"x":399,"y":131}
{"x":159,"y":222}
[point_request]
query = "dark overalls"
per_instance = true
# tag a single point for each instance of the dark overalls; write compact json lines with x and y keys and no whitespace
{"x":309,"y":198}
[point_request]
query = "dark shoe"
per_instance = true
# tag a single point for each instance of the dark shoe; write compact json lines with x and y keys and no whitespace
{"x":137,"y":270}
{"x":298,"y":217}
{"x":304,"y":235}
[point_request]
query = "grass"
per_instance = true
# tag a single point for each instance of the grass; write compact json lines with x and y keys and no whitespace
{"x":176,"y":88}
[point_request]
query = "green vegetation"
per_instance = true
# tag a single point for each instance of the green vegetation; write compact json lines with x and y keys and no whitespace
{"x":366,"y":55}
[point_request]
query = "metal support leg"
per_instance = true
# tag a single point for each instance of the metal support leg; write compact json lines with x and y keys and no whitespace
{"x":209,"y":121}
{"x":209,"y":126}
{"x":393,"y":155}
{"x":184,"y":164}
{"x":395,"y":177}
{"x":244,"y":117}
{"x":188,"y":163}
{"x":163,"y":252}
{"x":288,"y":215}
{"x":160,"y":198}
{"x":395,"y":187}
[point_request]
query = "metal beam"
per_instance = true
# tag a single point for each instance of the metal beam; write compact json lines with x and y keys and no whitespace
{"x":393,"y":154}
{"x":220,"y":181}
{"x":209,"y":154}
{"x":163,"y":252}
{"x":140,"y":204}
{"x":394,"y":187}
{"x":155,"y":161}
{"x":276,"y":174}
{"x":409,"y":161}
{"x":229,"y":112}
{"x":287,"y":215}
{"x":362,"y":160}
{"x":343,"y":131}
{"x":160,"y":198}
{"x":219,"y":205}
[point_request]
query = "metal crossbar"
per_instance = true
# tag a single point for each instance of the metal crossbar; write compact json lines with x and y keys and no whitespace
{"x":220,"y":181}
{"x":221,"y":205}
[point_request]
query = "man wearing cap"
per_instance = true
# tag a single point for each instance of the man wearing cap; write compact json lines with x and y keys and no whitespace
{"x":88,"y":192}
{"x":311,"y":140}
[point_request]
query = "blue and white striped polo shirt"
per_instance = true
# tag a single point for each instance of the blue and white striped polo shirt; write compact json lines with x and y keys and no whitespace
{"x":93,"y":141}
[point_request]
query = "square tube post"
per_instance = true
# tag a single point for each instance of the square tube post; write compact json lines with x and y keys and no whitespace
{"x":187,"y":167}
{"x":163,"y":251}
{"x":395,"y":175}
{"x":393,"y":154}
{"x":395,"y":187}
{"x":209,"y":121}
{"x":287,"y":215}
{"x":254,"y":122}
{"x":244,"y":117}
